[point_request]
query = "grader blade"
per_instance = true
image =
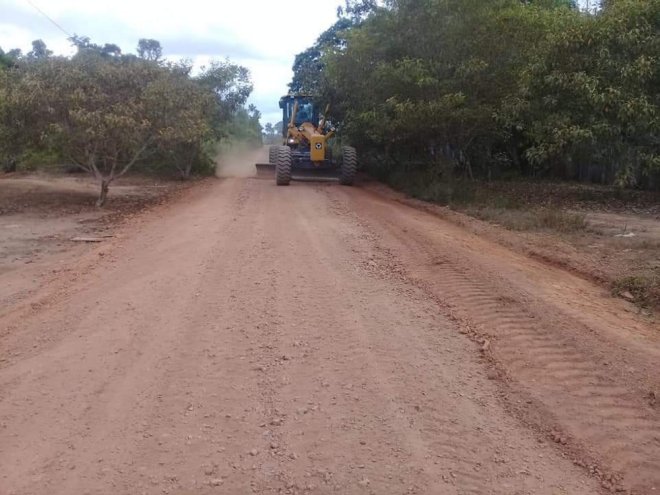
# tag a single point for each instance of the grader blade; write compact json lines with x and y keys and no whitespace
{"x":265,"y":169}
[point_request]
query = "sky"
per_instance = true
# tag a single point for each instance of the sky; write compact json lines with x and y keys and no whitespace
{"x":262,"y":35}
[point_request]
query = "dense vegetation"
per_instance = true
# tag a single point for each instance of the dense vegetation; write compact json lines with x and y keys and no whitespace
{"x":443,"y":89}
{"x":105,"y":112}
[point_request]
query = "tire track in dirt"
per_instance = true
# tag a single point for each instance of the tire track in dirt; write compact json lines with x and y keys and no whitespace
{"x":589,"y":401}
{"x":600,"y":411}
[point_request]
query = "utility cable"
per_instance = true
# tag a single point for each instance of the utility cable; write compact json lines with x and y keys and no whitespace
{"x":49,"y":18}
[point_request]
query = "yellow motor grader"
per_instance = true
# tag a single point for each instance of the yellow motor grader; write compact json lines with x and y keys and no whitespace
{"x":304,"y":151}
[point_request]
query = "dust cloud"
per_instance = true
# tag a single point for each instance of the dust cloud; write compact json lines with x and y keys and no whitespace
{"x":238,"y":160}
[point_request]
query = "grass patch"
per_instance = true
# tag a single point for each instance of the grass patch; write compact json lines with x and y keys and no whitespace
{"x":561,"y":221}
{"x":531,"y":219}
{"x":645,"y":290}
{"x":477,"y":199}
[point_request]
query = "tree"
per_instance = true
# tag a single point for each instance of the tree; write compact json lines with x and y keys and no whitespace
{"x":308,"y":66}
{"x":20,"y":115}
{"x":10,"y":58}
{"x":83,"y":44}
{"x":358,"y":10}
{"x":106,"y":114}
{"x":421,"y":80}
{"x":149,"y":49}
{"x":467,"y":87}
{"x":591,"y":94}
{"x":39,"y":51}
{"x":244,"y":127}
{"x":231,"y":86}
{"x":5,"y":60}
{"x":273,"y":133}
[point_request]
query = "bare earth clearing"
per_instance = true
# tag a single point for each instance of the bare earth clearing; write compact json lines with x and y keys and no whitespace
{"x":320,"y":339}
{"x":40,"y":215}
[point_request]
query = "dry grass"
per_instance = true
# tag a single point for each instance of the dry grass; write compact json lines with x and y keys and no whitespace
{"x":644,"y":289}
{"x":532,"y":219}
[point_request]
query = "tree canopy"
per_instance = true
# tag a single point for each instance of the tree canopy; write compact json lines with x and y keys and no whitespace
{"x":106,"y":112}
{"x":499,"y":87}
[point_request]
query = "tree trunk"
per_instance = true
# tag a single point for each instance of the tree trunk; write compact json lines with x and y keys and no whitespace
{"x":189,"y":165}
{"x":9,"y":165}
{"x":105,"y":184}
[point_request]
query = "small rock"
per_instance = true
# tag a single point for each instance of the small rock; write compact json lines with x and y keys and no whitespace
{"x":627,"y":295}
{"x":216,"y":482}
{"x":557,"y":438}
{"x":276,"y":422}
{"x":254,"y":452}
{"x":364,"y":482}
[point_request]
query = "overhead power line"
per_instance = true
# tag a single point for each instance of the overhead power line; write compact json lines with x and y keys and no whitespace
{"x":53,"y":22}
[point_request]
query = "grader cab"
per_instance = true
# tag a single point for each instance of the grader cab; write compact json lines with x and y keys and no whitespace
{"x":305,"y":150}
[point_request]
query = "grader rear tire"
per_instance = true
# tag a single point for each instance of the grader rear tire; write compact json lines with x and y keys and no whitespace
{"x":348,"y":166}
{"x":283,"y":166}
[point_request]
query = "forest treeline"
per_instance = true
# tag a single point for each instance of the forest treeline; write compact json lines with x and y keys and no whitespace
{"x":106,"y":112}
{"x":494,"y":89}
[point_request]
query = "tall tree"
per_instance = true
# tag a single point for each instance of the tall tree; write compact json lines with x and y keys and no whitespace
{"x":39,"y":50}
{"x":230,"y":84}
{"x":308,"y":66}
{"x":149,"y":49}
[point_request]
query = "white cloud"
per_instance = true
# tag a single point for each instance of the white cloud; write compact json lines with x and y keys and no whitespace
{"x":263,"y":35}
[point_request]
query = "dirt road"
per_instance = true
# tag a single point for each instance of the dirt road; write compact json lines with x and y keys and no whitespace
{"x":321,"y":339}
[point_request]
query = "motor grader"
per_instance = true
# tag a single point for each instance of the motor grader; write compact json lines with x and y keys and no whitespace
{"x":305,"y":152}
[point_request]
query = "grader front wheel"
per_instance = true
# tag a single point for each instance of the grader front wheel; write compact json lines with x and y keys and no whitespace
{"x":348,"y":166}
{"x":283,"y":166}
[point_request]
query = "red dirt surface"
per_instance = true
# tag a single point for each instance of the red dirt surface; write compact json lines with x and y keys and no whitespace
{"x":247,"y":338}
